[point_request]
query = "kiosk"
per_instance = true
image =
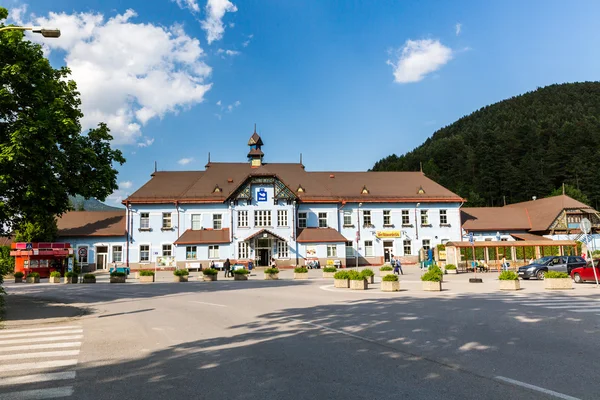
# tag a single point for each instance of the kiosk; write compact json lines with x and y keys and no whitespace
{"x":42,"y":258}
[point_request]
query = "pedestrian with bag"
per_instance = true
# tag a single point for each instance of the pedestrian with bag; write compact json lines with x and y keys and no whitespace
{"x":227,"y":268}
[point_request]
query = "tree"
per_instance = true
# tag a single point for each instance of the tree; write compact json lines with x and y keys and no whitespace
{"x":42,"y":229}
{"x":573,"y":192}
{"x":44,"y":157}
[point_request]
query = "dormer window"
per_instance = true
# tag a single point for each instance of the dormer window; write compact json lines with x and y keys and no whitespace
{"x":300,"y":189}
{"x":421,"y":190}
{"x":364,"y":190}
{"x":217,"y":189}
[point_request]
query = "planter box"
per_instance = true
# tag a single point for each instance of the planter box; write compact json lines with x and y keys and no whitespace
{"x":510,"y":285}
{"x":271,"y":277}
{"x":390,"y":286}
{"x":328,"y":275}
{"x":180,"y":278}
{"x":303,"y":275}
{"x":137,"y":275}
{"x":240,"y":277}
{"x":451,"y":271}
{"x":89,"y":280}
{"x":370,"y":279}
{"x":384,"y":273}
{"x":70,"y":280}
{"x":432,"y":286}
{"x":341,"y":283}
{"x":118,"y":279}
{"x":558,"y":283}
{"x":54,"y":279}
{"x":31,"y":279}
{"x":359,"y":285}
{"x":19,"y":280}
{"x":209,"y":278}
{"x":147,"y":279}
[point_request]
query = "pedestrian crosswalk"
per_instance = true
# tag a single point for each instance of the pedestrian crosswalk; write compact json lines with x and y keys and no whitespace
{"x":570,"y":303}
{"x":39,"y":363}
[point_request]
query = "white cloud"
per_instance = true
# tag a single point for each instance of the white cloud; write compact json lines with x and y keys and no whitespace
{"x":146,"y":143}
{"x":417,"y":58}
{"x":185,"y":161}
{"x":128,"y":73}
{"x":237,"y":103}
{"x":213,"y":24}
{"x":16,"y":13}
{"x":190,"y":4}
{"x":457,"y":28}
{"x":228,"y":52}
{"x":247,"y":42}
{"x":219,"y":103}
{"x":125,"y":185}
{"x":232,"y":24}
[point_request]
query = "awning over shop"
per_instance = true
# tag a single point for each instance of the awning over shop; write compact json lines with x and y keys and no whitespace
{"x":262,"y":233}
{"x":321,"y":235}
{"x":204,"y":236}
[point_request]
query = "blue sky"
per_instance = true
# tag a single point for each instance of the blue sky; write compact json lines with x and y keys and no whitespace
{"x":344,"y":83}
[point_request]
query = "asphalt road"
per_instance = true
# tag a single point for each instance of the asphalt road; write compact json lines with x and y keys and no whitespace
{"x":302,"y":339}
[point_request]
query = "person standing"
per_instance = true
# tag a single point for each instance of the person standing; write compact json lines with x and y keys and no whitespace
{"x":399,"y":265}
{"x":227,"y":267}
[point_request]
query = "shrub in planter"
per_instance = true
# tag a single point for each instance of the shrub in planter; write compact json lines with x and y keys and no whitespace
{"x":340,"y":279}
{"x":557,"y":281}
{"x":451,"y":269}
{"x":54,"y":277}
{"x":328,"y":272}
{"x":71,"y":277}
{"x":240,"y":274}
{"x":368,"y":275}
{"x":19,"y":277}
{"x":89,"y":278}
{"x":209,"y":274}
{"x":509,"y":280}
{"x":180,"y":275}
{"x":384,"y":270}
{"x":118,"y":277}
{"x":357,"y":280}
{"x":432,"y":280}
{"x":271,"y":274}
{"x":146,"y":276}
{"x":390,"y":283}
{"x":33,"y":277}
{"x":300,"y":273}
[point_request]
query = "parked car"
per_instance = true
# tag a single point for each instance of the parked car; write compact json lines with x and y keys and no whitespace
{"x":539,"y":267}
{"x":586,"y":273}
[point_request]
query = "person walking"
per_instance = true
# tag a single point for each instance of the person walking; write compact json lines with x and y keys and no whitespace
{"x":227,"y":267}
{"x":273,"y":263}
{"x":396,"y":270}
{"x":399,"y":265}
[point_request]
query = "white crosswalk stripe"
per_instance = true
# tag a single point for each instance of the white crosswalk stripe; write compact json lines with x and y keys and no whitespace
{"x":31,"y":357}
{"x":576,"y":304}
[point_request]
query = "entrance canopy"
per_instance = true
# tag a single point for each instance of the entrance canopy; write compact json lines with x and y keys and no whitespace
{"x":264,"y":234}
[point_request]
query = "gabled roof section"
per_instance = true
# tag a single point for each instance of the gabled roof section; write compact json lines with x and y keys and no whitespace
{"x":261,"y":232}
{"x":494,"y":219}
{"x":204,"y":236}
{"x":543,"y":212}
{"x":255,"y":140}
{"x":92,"y":223}
{"x":166,"y":186}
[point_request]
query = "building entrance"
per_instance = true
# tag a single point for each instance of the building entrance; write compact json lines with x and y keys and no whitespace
{"x":101,"y":257}
{"x":264,"y":256}
{"x":388,"y":250}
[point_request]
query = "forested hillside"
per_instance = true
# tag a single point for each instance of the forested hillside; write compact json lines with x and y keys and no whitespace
{"x":525,"y":146}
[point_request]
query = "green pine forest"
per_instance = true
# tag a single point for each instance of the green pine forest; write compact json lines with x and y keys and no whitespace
{"x":521,"y":147}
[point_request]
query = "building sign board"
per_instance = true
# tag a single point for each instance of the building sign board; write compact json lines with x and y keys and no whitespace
{"x":388,"y":234}
{"x":261,"y":195}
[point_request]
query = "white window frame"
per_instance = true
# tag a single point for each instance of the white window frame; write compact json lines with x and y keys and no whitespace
{"x":424,"y":217}
{"x":282,"y":218}
{"x":196,"y":225}
{"x":145,"y":220}
{"x":262,"y":218}
{"x":243,"y":219}
{"x":120,"y":253}
{"x":349,"y":249}
{"x":302,"y":217}
{"x":283,"y":250}
{"x":243,"y":252}
{"x":217,"y":221}
{"x":387,"y":214}
{"x":407,"y":245}
{"x":443,"y":217}
{"x":163,"y":250}
{"x":405,"y":217}
{"x":189,"y":250}
{"x":322,"y":219}
{"x":213,"y":251}
{"x":140,"y":253}
{"x":367,"y":214}
{"x":426,"y":246}
{"x":331,"y":251}
{"x":347,"y":218}
{"x":167,"y":222}
{"x":369,"y":248}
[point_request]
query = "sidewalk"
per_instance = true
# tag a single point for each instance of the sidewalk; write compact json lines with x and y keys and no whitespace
{"x":23,"y":310}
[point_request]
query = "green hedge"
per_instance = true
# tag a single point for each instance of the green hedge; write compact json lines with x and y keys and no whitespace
{"x":55,"y":274}
{"x":89,"y":276}
{"x":241,"y":271}
{"x":355,"y":276}
{"x":19,"y":274}
{"x":33,"y":275}
{"x":390,"y":278}
{"x":146,"y":272}
{"x":508,"y":276}
{"x":271,"y":271}
{"x":434,"y":274}
{"x":117,"y":274}
{"x":71,"y":274}
{"x":555,"y":275}
{"x":181,"y":272}
{"x":386,"y":268}
{"x":300,"y":270}
{"x":341,"y":275}
{"x":329,"y":269}
{"x":367,"y":273}
{"x":210,"y":271}
{"x":450,"y":266}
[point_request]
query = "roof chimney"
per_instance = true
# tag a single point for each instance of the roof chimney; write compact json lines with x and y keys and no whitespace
{"x":331,"y":175}
{"x":229,"y":180}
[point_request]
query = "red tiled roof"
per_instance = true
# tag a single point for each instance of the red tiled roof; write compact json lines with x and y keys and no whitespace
{"x":494,"y":218}
{"x":528,"y":236}
{"x":261,"y":232}
{"x":6,"y":240}
{"x":543,"y":212}
{"x":320,"y":235}
{"x":92,"y":223}
{"x":204,"y":236}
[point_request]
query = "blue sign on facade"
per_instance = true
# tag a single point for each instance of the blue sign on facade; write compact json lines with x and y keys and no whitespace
{"x":28,"y":246}
{"x":262,"y":195}
{"x":471,"y":238}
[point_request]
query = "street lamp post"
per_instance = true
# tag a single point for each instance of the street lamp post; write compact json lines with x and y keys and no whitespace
{"x":45,"y":32}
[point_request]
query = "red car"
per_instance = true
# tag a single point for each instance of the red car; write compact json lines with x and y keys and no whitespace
{"x":586,"y":273}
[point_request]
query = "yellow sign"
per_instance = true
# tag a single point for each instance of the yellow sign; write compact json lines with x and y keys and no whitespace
{"x":330,"y":262}
{"x":388,"y":234}
{"x":442,"y":254}
{"x":256,"y":162}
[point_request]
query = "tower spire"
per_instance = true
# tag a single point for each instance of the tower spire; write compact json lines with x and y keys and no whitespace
{"x":255,"y":155}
